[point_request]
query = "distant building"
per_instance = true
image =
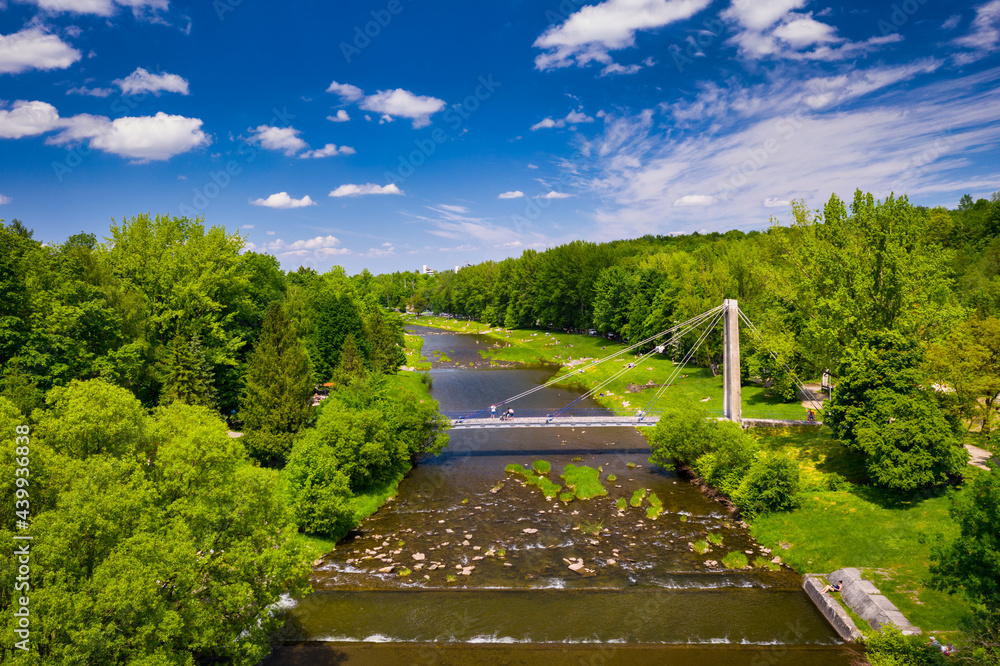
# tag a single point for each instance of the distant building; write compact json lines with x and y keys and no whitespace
{"x":465,"y":265}
{"x":427,"y":270}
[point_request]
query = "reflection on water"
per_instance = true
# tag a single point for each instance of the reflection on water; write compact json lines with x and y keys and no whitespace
{"x":469,"y":555}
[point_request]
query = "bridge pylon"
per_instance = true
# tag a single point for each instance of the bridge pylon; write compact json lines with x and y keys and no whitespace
{"x":732,"y":404}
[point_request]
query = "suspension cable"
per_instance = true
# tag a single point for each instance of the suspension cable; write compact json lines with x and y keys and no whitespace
{"x":680,"y":367}
{"x":687,"y":325}
{"x":798,"y":382}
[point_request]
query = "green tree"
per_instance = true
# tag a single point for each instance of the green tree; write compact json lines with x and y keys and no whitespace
{"x":338,"y":317}
{"x":971,"y":563}
{"x":172,"y":557}
{"x":879,"y":408}
{"x":276,"y":401}
{"x":188,"y":377}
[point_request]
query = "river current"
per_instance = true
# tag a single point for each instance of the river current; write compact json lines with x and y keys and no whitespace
{"x":467,"y":565}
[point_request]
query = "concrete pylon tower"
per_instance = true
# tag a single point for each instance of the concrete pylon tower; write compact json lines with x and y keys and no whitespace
{"x":732,"y":405}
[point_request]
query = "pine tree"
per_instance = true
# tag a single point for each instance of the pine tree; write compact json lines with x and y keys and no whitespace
{"x":276,"y":400}
{"x":189,"y":377}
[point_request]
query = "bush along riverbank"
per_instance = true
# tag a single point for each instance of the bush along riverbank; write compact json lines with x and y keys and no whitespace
{"x":368,"y":434}
{"x":809,"y":500}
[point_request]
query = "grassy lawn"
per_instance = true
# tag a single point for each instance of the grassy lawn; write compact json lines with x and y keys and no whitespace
{"x":693,"y":385}
{"x":888,"y":536}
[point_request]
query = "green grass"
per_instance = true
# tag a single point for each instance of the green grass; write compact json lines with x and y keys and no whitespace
{"x":566,"y":497}
{"x":515,"y":468}
{"x":764,"y":563}
{"x":535,"y":347}
{"x":414,"y":343}
{"x":654,"y":512}
{"x":654,"y":500}
{"x":612,"y":478}
{"x":548,"y":488}
{"x":622,"y":504}
{"x":735,"y":560}
{"x":542,"y":466}
{"x":715,"y":539}
{"x":637,"y":497}
{"x":584,"y":481}
{"x":888,"y":536}
{"x":314,"y":546}
{"x":701,"y":547}
{"x":593,"y":529}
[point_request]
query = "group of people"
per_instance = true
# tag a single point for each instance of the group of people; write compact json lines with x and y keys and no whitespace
{"x":506,"y":415}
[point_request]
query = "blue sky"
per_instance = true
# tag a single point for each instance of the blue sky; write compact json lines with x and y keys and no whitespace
{"x":397,"y":133}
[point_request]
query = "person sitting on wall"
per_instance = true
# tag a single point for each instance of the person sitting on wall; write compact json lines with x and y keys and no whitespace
{"x":834,"y":588}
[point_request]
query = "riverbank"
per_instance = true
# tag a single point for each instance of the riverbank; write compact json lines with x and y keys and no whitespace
{"x":839,"y":521}
{"x":634,"y":389}
{"x":366,"y":503}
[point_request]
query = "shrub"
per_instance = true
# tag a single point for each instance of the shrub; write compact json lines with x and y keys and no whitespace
{"x":892,"y":648}
{"x":769,"y":485}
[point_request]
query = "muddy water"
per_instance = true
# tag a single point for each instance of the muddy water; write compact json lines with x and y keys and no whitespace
{"x":469,"y":565}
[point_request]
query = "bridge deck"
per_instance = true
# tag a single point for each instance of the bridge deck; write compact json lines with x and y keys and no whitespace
{"x":596,"y":422}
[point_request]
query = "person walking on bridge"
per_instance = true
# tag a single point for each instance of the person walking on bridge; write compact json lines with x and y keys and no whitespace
{"x":493,"y":412}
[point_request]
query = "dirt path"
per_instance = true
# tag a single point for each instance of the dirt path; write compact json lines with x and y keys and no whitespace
{"x":979,"y":456}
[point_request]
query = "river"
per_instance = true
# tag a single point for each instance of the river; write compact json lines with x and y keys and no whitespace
{"x":487,"y":556}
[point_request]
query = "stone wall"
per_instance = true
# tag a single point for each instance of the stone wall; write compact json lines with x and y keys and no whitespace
{"x":842,"y":623}
{"x":866,"y":600}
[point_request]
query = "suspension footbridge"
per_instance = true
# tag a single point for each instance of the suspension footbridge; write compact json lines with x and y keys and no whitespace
{"x":572,"y":416}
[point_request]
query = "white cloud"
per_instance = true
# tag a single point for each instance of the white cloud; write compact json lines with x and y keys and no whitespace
{"x":399,"y":102}
{"x":515,"y":194}
{"x":350,"y":190}
{"x":140,"y":81}
{"x":329,"y":150}
{"x":279,"y":138}
{"x":33,"y":48}
{"x":759,"y":16}
{"x":28,"y":119}
{"x":532,"y":166}
{"x":389,"y":103}
{"x":282,"y":200}
{"x":773,"y":29}
{"x":347,"y":91}
{"x":314,"y":249}
{"x":554,"y":195}
{"x":805,"y":31}
{"x":142,"y":138}
{"x":90,"y":92}
{"x":695,"y":200}
{"x":341,"y":117}
{"x":589,"y":34}
{"x":952,"y":22}
{"x":4,"y":200}
{"x":454,"y":209}
{"x":386,"y":250}
{"x":984,"y":37}
{"x":922,"y":140}
{"x":248,"y":226}
{"x":572,"y":118}
{"x":99,"y":7}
